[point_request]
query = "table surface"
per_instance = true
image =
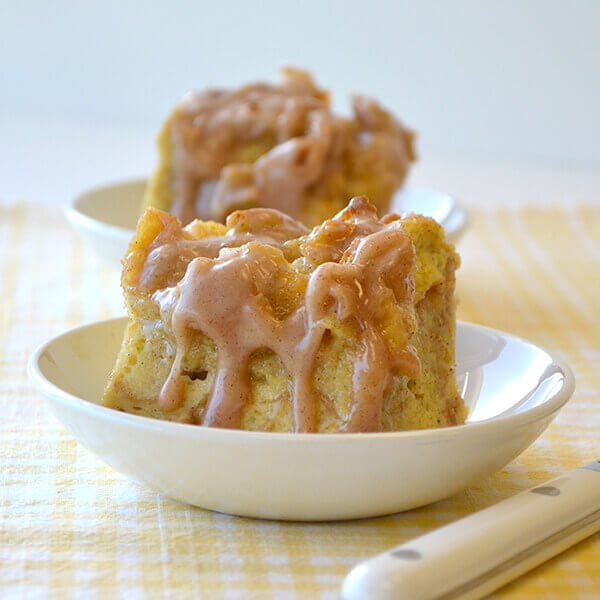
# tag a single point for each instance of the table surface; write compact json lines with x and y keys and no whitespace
{"x":72,"y":527}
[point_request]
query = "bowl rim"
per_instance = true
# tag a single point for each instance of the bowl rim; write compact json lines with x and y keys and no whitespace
{"x":457,"y":215}
{"x":485,"y":427}
{"x":79,"y":218}
{"x":460,"y":219}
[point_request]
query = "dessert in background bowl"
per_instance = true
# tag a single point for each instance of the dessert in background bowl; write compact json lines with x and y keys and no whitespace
{"x":261,"y":324}
{"x":276,"y":146}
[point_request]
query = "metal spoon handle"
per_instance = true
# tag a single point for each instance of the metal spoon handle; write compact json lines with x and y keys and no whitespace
{"x":471,"y":557}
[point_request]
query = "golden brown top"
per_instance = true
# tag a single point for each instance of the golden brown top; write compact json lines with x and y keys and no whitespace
{"x":264,"y":282}
{"x":266,"y":145}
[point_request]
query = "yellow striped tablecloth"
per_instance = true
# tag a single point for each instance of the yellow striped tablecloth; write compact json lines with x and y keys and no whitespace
{"x":71,"y":527}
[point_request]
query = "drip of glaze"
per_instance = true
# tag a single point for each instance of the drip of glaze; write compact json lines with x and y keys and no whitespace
{"x":225,"y":298}
{"x":170,"y":254}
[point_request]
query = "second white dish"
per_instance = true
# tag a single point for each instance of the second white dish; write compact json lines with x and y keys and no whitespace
{"x":106,"y":215}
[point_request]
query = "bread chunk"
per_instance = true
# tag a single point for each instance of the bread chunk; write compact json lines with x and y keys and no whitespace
{"x":261,"y":324}
{"x":276,"y":146}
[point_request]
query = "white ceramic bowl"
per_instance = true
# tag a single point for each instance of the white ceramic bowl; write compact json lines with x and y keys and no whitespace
{"x":106,"y":216}
{"x":514,"y":390}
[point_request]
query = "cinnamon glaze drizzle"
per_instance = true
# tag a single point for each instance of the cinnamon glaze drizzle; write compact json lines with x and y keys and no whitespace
{"x":354,"y":264}
{"x":293,"y":140}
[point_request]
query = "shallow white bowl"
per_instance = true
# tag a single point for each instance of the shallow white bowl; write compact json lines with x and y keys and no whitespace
{"x":106,"y":216}
{"x":514,"y":390}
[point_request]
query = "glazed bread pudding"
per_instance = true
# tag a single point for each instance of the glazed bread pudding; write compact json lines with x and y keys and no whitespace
{"x":276,"y":146}
{"x":261,"y":324}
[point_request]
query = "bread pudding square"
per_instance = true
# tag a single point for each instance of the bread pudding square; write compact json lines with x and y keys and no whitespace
{"x":276,"y":146}
{"x":262,"y":324}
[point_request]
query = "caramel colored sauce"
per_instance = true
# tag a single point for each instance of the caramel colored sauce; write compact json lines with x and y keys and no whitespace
{"x":265,"y":145}
{"x":224,"y":294}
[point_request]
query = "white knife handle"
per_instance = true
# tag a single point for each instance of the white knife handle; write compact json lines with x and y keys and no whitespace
{"x":475,"y":555}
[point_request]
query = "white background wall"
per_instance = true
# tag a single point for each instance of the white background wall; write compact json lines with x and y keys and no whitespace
{"x":509,"y":79}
